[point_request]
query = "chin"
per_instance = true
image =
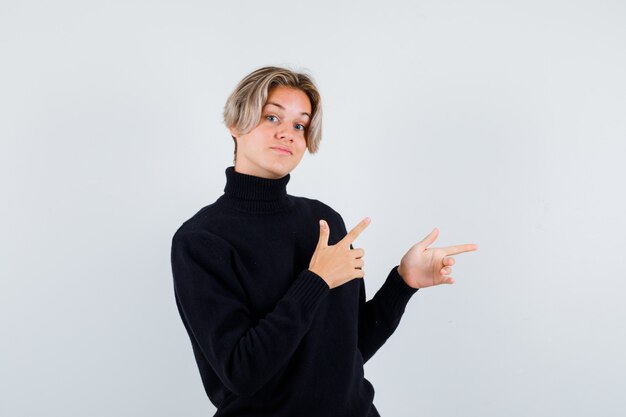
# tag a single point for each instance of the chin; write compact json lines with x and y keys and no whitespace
{"x":280,"y":172}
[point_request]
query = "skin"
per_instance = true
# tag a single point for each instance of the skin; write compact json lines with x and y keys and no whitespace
{"x":420,"y":267}
{"x":284,"y":127}
{"x":284,"y":124}
{"x":424,"y":267}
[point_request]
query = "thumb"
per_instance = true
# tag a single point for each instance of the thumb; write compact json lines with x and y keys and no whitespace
{"x":324,"y":232}
{"x":432,"y":236}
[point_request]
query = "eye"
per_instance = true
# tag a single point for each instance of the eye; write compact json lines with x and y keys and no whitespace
{"x":303,"y":128}
{"x":269,"y":116}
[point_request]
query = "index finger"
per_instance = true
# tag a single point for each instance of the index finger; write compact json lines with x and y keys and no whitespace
{"x":355,"y":232}
{"x":456,"y":249}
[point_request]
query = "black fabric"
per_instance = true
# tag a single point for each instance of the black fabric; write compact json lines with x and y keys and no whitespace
{"x":269,"y":336}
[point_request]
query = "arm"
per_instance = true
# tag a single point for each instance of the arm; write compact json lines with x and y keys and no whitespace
{"x":380,"y":316}
{"x":244,"y":354}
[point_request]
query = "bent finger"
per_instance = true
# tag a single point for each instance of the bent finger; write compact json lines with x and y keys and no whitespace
{"x":448,"y":280}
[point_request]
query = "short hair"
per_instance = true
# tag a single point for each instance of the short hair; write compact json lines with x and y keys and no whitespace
{"x":242,"y":110}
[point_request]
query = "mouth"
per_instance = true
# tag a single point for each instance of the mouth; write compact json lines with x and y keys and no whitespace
{"x":282,"y":150}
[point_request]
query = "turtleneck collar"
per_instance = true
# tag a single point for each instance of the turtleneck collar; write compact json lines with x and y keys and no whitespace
{"x":255,"y":194}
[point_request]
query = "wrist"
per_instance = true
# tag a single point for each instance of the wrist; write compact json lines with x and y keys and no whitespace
{"x":319,"y":275}
{"x":400,"y":271}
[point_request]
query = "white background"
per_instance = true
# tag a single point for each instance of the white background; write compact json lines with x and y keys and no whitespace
{"x":501,"y":123}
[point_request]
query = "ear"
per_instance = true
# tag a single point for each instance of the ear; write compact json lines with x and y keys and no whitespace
{"x":233,"y":132}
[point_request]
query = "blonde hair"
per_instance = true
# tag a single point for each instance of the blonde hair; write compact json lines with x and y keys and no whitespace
{"x":242,"y":110}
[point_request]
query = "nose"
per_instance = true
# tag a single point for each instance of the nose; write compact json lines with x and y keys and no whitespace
{"x":282,"y":132}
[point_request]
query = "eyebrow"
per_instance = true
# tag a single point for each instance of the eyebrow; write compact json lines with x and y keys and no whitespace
{"x":278,"y":105}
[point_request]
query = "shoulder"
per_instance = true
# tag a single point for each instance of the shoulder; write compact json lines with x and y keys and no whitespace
{"x":321,"y":210}
{"x":193,"y":248}
{"x":205,"y":221}
{"x":193,"y":240}
{"x":201,"y":217}
{"x":317,"y":206}
{"x":196,"y":232}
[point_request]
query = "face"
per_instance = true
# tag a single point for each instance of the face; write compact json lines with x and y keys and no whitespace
{"x":285,"y":118}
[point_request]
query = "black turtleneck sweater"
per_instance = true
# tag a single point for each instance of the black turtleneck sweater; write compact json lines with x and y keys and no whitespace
{"x":269,"y":336}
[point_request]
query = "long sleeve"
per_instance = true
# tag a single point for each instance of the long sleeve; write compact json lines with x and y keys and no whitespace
{"x":380,"y":316}
{"x":243,"y":353}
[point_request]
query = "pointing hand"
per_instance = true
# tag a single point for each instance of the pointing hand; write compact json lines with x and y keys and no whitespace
{"x":339,"y":263}
{"x":424,"y":267}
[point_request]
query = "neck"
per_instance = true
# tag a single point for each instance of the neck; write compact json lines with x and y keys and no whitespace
{"x":255,"y":194}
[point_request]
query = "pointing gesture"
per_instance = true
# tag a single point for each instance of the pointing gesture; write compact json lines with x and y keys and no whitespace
{"x":424,"y":267}
{"x":338,"y":264}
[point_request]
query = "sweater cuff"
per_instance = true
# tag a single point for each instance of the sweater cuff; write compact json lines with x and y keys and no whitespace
{"x":310,"y":289}
{"x":395,"y":291}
